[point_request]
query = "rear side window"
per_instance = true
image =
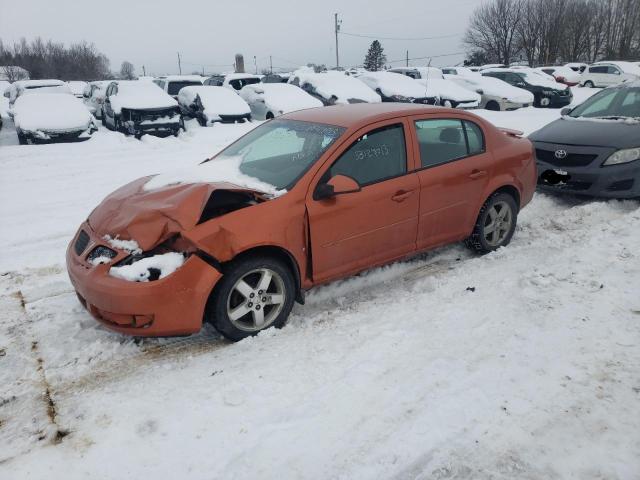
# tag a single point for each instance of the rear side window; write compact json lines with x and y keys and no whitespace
{"x":613,"y":71}
{"x":378,"y":155}
{"x":444,"y":140}
{"x":597,"y":69}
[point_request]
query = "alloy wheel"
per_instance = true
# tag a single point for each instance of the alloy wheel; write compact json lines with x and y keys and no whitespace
{"x":497,"y":223}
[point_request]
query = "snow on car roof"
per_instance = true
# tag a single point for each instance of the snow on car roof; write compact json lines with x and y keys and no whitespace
{"x":215,"y":100}
{"x":140,"y":95}
{"x":337,"y":84}
{"x":183,"y":78}
{"x":55,"y":112}
{"x":283,"y":97}
{"x":234,"y":76}
{"x":391,"y":83}
{"x":38,"y":83}
{"x":447,"y":90}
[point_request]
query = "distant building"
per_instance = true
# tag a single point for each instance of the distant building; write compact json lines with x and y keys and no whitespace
{"x":11,"y":73}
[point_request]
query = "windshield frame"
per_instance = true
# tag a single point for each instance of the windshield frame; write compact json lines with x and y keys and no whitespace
{"x":243,"y":143}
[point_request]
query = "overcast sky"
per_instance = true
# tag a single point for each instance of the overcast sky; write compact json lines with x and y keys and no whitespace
{"x":209,"y":33}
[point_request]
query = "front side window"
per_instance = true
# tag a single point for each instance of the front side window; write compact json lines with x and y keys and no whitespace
{"x":378,"y":155}
{"x":279,"y":152}
{"x":444,"y":140}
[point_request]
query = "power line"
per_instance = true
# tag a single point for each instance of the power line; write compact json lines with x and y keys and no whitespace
{"x":429,"y":56}
{"x":377,"y":37}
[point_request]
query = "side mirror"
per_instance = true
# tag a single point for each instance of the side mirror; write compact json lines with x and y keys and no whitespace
{"x":6,"y":94}
{"x":337,"y":185}
{"x":565,"y":111}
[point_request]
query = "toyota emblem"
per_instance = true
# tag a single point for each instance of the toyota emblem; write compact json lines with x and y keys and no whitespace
{"x":560,"y":154}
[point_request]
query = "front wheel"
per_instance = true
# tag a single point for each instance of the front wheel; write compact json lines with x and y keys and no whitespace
{"x":589,"y":84}
{"x":255,"y":293}
{"x":495,"y":224}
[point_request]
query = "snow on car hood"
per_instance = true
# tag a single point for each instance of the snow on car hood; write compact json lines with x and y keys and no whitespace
{"x":215,"y":100}
{"x":447,"y":90}
{"x":140,"y":95}
{"x":493,"y":87}
{"x":391,"y":84}
{"x":280,"y":97}
{"x":149,"y":217}
{"x":592,"y":132}
{"x":344,"y":87}
{"x":51,"y":112}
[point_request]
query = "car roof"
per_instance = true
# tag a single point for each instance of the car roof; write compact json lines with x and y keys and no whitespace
{"x":183,"y":78}
{"x":357,"y":114}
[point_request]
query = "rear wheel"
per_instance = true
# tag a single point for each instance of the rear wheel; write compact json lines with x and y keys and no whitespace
{"x":493,"y":105}
{"x":255,"y":293}
{"x":589,"y":84}
{"x":495,"y":224}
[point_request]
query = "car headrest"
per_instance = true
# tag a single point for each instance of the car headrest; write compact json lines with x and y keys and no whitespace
{"x":450,"y":135}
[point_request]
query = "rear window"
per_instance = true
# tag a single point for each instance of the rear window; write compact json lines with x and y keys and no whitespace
{"x":175,"y":87}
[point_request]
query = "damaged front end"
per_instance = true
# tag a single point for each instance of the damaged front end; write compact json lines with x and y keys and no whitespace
{"x":161,"y":121}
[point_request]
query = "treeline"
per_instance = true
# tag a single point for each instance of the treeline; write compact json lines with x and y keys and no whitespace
{"x":545,"y":32}
{"x":78,"y":61}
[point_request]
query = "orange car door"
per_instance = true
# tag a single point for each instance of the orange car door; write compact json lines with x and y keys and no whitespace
{"x":353,"y":231}
{"x":454,"y":170}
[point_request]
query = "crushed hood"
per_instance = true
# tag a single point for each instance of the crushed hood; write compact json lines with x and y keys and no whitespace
{"x":151,"y":216}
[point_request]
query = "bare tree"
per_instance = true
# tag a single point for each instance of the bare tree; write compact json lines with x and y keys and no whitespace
{"x":127,"y":71}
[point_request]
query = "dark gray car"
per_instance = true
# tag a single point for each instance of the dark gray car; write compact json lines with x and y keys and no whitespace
{"x":593,"y":149}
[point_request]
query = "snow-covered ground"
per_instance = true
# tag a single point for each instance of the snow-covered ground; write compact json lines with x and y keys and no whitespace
{"x":522,"y":364}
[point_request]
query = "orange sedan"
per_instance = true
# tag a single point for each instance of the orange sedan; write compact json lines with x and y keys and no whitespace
{"x":304,"y":199}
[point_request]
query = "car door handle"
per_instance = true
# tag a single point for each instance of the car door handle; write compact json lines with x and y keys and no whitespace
{"x":475,"y":174}
{"x":401,"y":195}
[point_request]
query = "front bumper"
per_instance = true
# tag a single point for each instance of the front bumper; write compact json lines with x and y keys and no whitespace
{"x":557,"y":101}
{"x":578,"y":175}
{"x":48,"y":136}
{"x":173,"y":305}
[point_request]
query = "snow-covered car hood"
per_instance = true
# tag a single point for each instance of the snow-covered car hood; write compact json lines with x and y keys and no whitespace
{"x":215,"y":100}
{"x":391,"y":84}
{"x":447,"y":90}
{"x":51,"y":112}
{"x":593,"y":132}
{"x":140,"y":95}
{"x":150,"y":217}
{"x":280,"y":97}
{"x":337,"y":84}
{"x":493,"y":87}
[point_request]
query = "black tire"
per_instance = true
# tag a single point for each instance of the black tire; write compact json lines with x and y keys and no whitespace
{"x":22,"y":139}
{"x":477,"y":241}
{"x":269,"y":116}
{"x":589,"y":84}
{"x":225,"y":295}
{"x":493,"y":105}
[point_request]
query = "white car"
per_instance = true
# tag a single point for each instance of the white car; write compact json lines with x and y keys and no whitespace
{"x":604,"y":74}
{"x":577,"y":66}
{"x":77,"y":87}
{"x":269,"y":100}
{"x":93,"y":96}
{"x":395,"y":87}
{"x":494,"y":93}
{"x":333,"y":87}
{"x":436,"y":85}
{"x":234,"y":81}
{"x":51,"y":117}
{"x":462,"y":71}
{"x":172,"y":84}
{"x":561,"y":74}
{"x":210,"y":104}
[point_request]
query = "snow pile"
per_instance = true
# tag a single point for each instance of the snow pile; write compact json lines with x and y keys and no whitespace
{"x":493,"y":87}
{"x":139,"y":271}
{"x":223,"y":170}
{"x":130,"y":246}
{"x":338,"y":85}
{"x":279,"y":97}
{"x":140,"y":96}
{"x":392,"y":84}
{"x":215,"y":100}
{"x":55,"y":112}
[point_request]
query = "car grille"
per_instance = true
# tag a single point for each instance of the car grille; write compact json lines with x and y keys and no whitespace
{"x":81,"y":242}
{"x":571,"y":160}
{"x":101,"y":251}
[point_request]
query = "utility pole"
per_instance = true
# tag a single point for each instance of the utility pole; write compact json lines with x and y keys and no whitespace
{"x":179,"y":65}
{"x":255,"y":64}
{"x":144,"y":72}
{"x":407,"y":58}
{"x":337,"y":28}
{"x":270,"y":64}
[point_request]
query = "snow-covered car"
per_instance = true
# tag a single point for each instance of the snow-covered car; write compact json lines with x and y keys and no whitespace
{"x":462,"y":71}
{"x":494,"y":93}
{"x":93,"y":96}
{"x":604,"y":74}
{"x":77,"y":87}
{"x":434,"y":83}
{"x":210,"y":104}
{"x":135,"y":108}
{"x":172,"y":84}
{"x":22,"y":87}
{"x":333,"y":87}
{"x":51,"y":117}
{"x":395,"y":87}
{"x":235,"y":81}
{"x":562,"y":74}
{"x":546,"y":91}
{"x":275,"y":78}
{"x":269,"y":100}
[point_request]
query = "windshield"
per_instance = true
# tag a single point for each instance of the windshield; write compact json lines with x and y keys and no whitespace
{"x":279,"y":152}
{"x":175,"y":87}
{"x":611,"y":103}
